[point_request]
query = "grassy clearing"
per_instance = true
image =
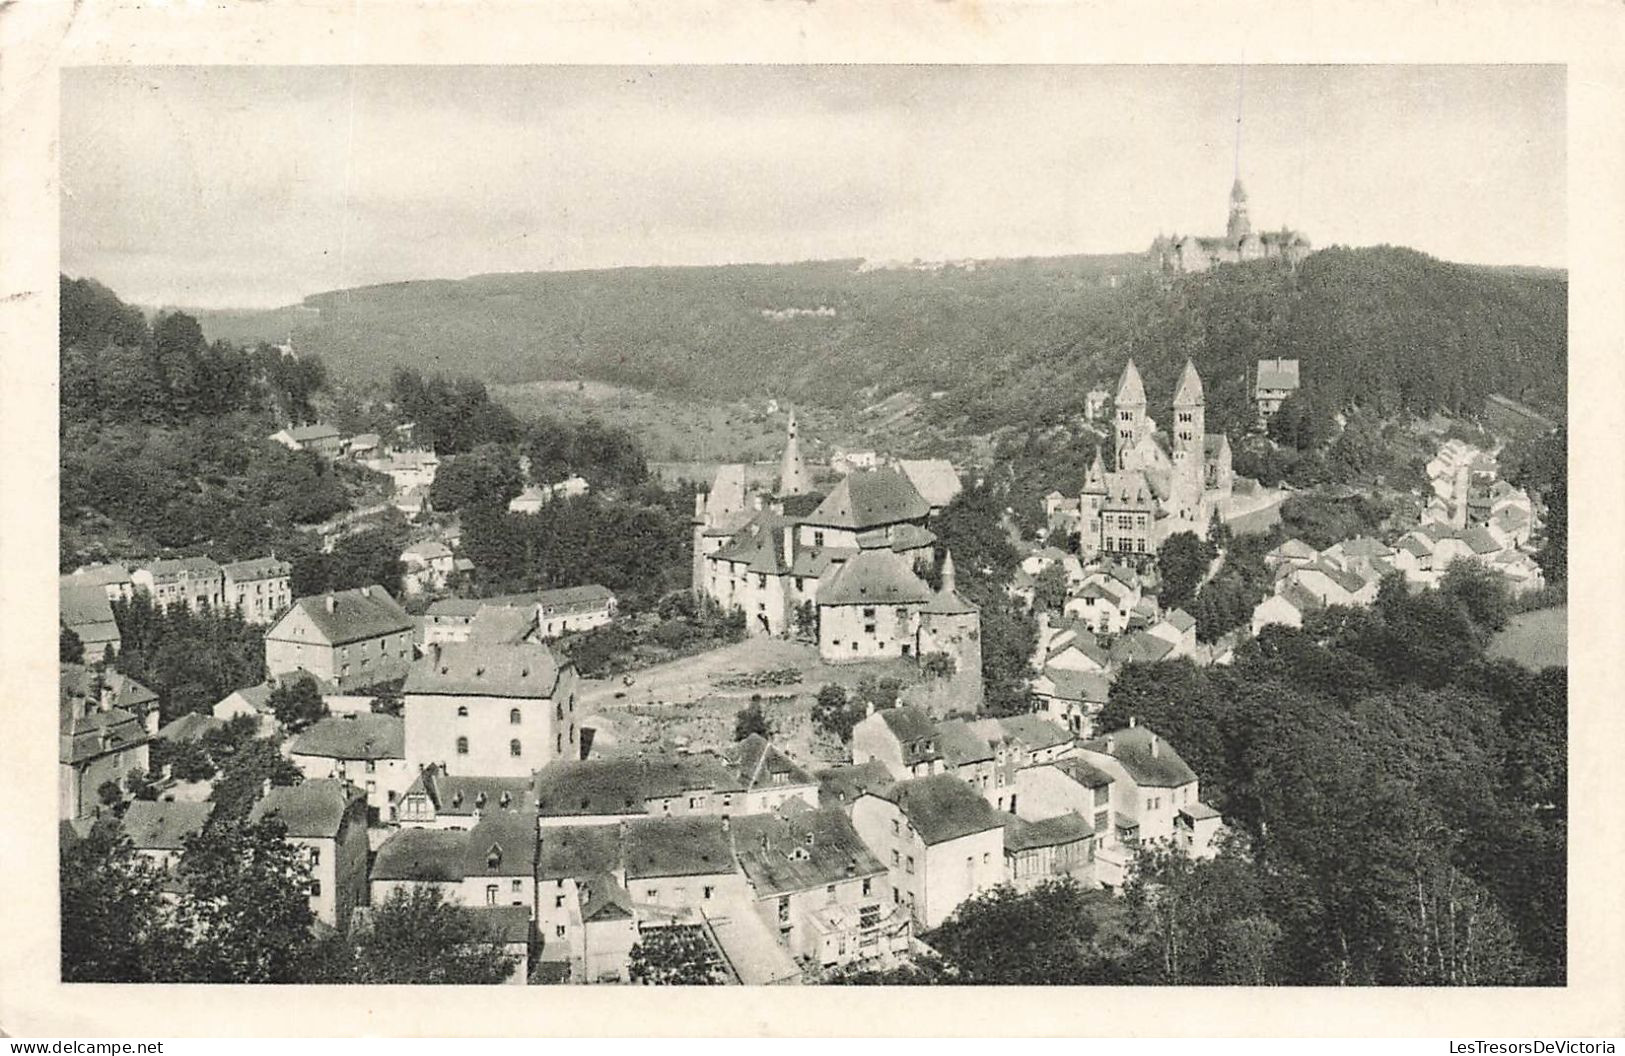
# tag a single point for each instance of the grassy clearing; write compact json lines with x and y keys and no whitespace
{"x":1535,"y":639}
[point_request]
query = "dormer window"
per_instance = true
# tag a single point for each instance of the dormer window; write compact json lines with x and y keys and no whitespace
{"x":479,"y":801}
{"x":505,"y":800}
{"x":493,"y":857}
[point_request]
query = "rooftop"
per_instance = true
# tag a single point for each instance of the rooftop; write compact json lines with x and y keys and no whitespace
{"x":1150,"y":760}
{"x":875,"y":577}
{"x":870,"y":499}
{"x":934,"y":478}
{"x":623,"y":786}
{"x":787,"y":852}
{"x":671,"y":846}
{"x":525,"y":670}
{"x":427,"y":855}
{"x":960,"y":744}
{"x":1022,"y":835}
{"x":844,"y":783}
{"x":355,"y":735}
{"x":345,"y":616}
{"x":310,"y":809}
{"x":570,"y":851}
{"x":1083,"y":772}
{"x":942,"y":807}
{"x":159,"y":826}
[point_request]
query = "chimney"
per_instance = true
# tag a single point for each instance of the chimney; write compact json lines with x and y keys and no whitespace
{"x":330,"y":602}
{"x":1154,"y":742}
{"x":104,"y":696}
{"x":366,"y":592}
{"x":1111,"y":744}
{"x":725,"y":823}
{"x":1132,"y":720}
{"x":764,"y":843}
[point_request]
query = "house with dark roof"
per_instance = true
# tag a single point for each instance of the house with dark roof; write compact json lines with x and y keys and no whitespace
{"x":1154,"y":788}
{"x":843,"y":784}
{"x":752,"y":777}
{"x":493,"y":863}
{"x":327,"y":819}
{"x":438,"y":800}
{"x":158,"y":830}
{"x":818,"y":888}
{"x":1071,"y":699}
{"x":350,"y":638}
{"x":365,"y":749}
{"x":105,"y":721}
{"x":903,"y":739}
{"x":497,"y":710}
{"x":84,"y":609}
{"x":938,"y":838}
{"x":258,"y":589}
{"x":1273,"y":381}
{"x":769,"y":779}
{"x":253,"y":701}
{"x":113,"y":580}
{"x":318,"y":438}
{"x":934,"y":478}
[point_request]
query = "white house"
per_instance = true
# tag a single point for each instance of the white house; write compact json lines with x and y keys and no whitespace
{"x":940,"y":841}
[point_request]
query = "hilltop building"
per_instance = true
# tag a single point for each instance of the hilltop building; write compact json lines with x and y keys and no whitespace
{"x":1239,"y":243}
{"x":1163,"y":483}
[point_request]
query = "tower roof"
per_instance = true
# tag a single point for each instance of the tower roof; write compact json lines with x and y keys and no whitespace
{"x":1094,"y":482}
{"x":1238,"y":193}
{"x":793,"y":479}
{"x":1190,"y":386}
{"x":1131,"y":390}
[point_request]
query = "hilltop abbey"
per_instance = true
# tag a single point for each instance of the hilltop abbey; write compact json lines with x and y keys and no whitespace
{"x":1186,"y":253}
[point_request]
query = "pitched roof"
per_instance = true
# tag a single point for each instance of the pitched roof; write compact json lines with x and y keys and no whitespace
{"x":312,"y":809}
{"x":1341,"y":576}
{"x":584,"y":787}
{"x":189,"y":727}
{"x":1149,"y":759}
{"x":1364,"y":546}
{"x":306,"y":433}
{"x":1140,"y":647}
{"x":870,"y":499}
{"x":1033,"y":731}
{"x":755,"y":760}
{"x":428,"y":550}
{"x":1189,"y":390}
{"x":844,"y":783}
{"x":874,"y":577}
{"x":1130,"y":389}
{"x":425,"y":855}
{"x":1299,"y":597}
{"x":1022,"y":835}
{"x":526,"y":670}
{"x":1085,"y":686}
{"x":942,"y":807}
{"x":1294,"y":549}
{"x":727,"y":490}
{"x":357,"y":615}
{"x":804,"y":850}
{"x":189,"y":566}
{"x":676,"y":846}
{"x":933,"y":478}
{"x":84,"y":609}
{"x":257,"y":697}
{"x":1182,"y":620}
{"x":101,"y":575}
{"x":85,"y":736}
{"x":603,"y":898}
{"x":355,"y":735}
{"x":459,"y":607}
{"x":155,"y":826}
{"x":569,"y":851}
{"x":960,"y":744}
{"x":1277,"y":374}
{"x":1083,"y":772}
{"x":1480,"y":540}
{"x":501,"y":843}
{"x":79,"y":682}
{"x":257,"y":568}
{"x":466,"y":795}
{"x":494,"y":625}
{"x":586,"y":598}
{"x":509,"y":925}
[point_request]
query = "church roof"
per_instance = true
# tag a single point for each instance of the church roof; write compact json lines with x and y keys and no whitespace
{"x":1130,"y":389}
{"x":1190,"y":386}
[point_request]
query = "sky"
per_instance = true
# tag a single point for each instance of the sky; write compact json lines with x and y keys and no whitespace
{"x":215,"y":187}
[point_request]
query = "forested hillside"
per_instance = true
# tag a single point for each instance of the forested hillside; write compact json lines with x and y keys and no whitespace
{"x":1008,"y":342}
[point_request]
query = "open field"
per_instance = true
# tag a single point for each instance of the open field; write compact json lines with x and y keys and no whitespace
{"x":1535,"y":639}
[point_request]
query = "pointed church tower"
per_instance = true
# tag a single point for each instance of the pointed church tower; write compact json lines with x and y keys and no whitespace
{"x":1090,"y":505}
{"x":1094,"y":481}
{"x":1239,"y":226}
{"x":1190,"y":435}
{"x":1130,"y":407}
{"x":793,"y":478}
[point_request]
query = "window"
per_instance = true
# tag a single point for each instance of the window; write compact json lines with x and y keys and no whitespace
{"x":558,"y":901}
{"x":652,"y":894}
{"x":514,"y":749}
{"x":986,"y":857}
{"x":911,"y":863}
{"x":784,"y":909}
{"x":490,"y":894}
{"x":372,"y":766}
{"x":558,"y":712}
{"x":513,"y":717}
{"x":896,"y":827}
{"x":558,"y":931}
{"x":896,"y":859}
{"x":558,"y":744}
{"x":818,"y":538}
{"x":868,"y":885}
{"x":707,"y":891}
{"x":315,"y":889}
{"x":462,"y":746}
{"x":315,"y":857}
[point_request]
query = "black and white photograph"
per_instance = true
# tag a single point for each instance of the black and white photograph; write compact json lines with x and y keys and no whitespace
{"x":814,"y":525}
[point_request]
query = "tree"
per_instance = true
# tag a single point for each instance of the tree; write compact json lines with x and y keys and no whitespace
{"x":245,"y":904}
{"x":752,"y":719}
{"x":297,"y":703}
{"x":1050,"y":588}
{"x":807,"y":620}
{"x":676,"y":955}
{"x":243,"y":776}
{"x":1182,"y":561}
{"x":834,"y":713}
{"x":1482,"y":592}
{"x":114,"y":927}
{"x":1058,"y":934}
{"x":417,"y":937}
{"x":70,"y":650}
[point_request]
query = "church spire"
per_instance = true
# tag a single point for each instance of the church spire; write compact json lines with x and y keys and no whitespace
{"x":1094,"y":481}
{"x":948,"y":585}
{"x":1189,"y":393}
{"x":793,"y":478}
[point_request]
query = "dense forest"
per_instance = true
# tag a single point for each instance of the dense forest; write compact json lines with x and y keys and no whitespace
{"x":1008,"y":342}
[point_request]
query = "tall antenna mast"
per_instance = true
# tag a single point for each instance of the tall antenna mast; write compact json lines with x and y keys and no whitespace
{"x":1241,"y":89}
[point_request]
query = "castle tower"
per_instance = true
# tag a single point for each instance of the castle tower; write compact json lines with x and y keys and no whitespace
{"x":950,"y":624}
{"x":1190,"y":433}
{"x":1130,"y":405}
{"x":793,"y":478}
{"x":1090,"y":504}
{"x":1239,"y":226}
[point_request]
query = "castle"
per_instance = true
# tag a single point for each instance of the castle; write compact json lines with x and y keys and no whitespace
{"x":1162,"y":483}
{"x":1185,"y":253}
{"x":850,"y":556}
